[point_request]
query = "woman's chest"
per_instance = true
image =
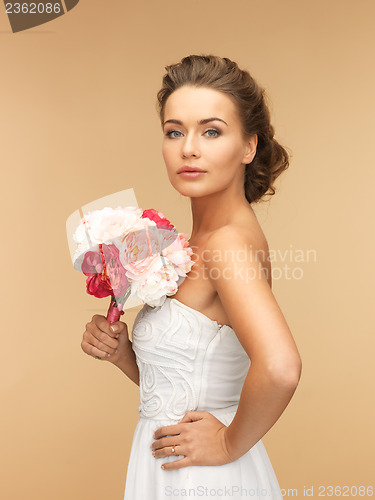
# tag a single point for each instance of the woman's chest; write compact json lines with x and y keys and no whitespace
{"x":198,"y":289}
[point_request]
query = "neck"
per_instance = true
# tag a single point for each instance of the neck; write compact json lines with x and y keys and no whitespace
{"x":216,"y":210}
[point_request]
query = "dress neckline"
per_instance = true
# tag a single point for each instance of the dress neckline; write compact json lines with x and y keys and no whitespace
{"x":184,"y":306}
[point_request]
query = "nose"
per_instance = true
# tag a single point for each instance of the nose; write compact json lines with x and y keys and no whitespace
{"x":190,"y":147}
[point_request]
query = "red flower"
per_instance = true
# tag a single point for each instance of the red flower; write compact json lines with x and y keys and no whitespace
{"x":157,"y":217}
{"x":97,"y":282}
{"x":108,"y":278}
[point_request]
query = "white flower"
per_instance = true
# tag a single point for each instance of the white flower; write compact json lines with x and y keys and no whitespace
{"x":156,"y":279}
{"x":110,"y":223}
{"x":107,"y":225}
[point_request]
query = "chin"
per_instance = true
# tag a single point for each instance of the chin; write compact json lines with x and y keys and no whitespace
{"x":189,"y":190}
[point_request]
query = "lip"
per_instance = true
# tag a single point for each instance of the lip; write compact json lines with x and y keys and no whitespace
{"x":187,"y":168}
{"x":191,"y":175}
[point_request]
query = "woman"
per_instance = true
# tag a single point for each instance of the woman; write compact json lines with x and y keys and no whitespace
{"x":216,"y":363}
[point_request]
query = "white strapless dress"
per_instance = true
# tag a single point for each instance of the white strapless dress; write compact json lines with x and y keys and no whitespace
{"x":188,"y":362}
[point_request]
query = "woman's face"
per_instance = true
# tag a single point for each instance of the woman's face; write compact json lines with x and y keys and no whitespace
{"x":216,"y":146}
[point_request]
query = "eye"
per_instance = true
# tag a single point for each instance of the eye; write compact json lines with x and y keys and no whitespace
{"x":169,"y":134}
{"x":217,"y":132}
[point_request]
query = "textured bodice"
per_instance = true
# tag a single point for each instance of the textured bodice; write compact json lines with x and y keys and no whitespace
{"x":186,"y":361}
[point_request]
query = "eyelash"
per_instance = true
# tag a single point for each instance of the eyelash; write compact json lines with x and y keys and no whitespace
{"x":169,"y":134}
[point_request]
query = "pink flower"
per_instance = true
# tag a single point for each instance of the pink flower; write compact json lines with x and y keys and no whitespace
{"x":158,"y":217}
{"x":179,"y":253}
{"x":140,"y":269}
{"x":134,"y":246}
{"x":108,"y":279}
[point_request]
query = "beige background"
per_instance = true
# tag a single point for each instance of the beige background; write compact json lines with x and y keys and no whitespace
{"x":78,"y":121}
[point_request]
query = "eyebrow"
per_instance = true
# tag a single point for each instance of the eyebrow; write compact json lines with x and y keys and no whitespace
{"x":201,"y":122}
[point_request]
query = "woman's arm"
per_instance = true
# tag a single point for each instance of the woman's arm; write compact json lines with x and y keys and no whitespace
{"x":127,"y":363}
{"x":112,"y":343}
{"x":275,"y":364}
{"x":263,"y":400}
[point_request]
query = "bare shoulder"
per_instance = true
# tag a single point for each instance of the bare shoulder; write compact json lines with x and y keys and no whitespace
{"x":232,"y":232}
{"x":236,"y":273}
{"x":238,"y":233}
{"x":240,"y":242}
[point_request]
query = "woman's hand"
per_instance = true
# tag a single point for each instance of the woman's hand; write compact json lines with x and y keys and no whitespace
{"x":199,"y":436}
{"x":100,"y":341}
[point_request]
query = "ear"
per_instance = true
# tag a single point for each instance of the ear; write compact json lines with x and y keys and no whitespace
{"x":250,"y":149}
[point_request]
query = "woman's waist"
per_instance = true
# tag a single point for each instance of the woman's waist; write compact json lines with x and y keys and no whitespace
{"x":176,"y":416}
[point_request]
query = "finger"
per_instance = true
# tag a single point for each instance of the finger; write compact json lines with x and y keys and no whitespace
{"x":177,"y":464}
{"x":98,"y":354}
{"x":193,"y":416}
{"x":103,"y":346}
{"x":102,"y":337}
{"x":116,"y":328}
{"x":104,"y":325}
{"x":184,"y":419}
{"x":94,"y":351}
{"x":167,"y":451}
{"x":169,"y":430}
{"x":163,"y":443}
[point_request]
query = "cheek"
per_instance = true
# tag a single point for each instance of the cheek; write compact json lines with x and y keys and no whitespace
{"x":228,"y":151}
{"x":169,"y":162}
{"x":167,"y":151}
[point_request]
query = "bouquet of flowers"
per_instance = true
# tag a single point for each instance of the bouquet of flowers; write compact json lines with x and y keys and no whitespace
{"x":127,"y":251}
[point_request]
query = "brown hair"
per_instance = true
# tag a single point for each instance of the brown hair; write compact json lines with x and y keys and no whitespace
{"x":220,"y":73}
